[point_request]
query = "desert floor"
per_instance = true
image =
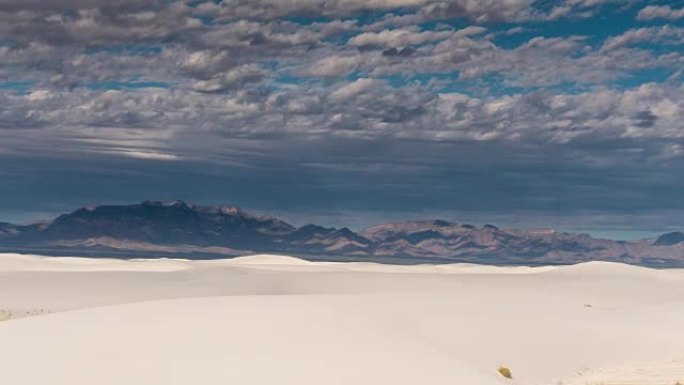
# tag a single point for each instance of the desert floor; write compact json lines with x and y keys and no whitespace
{"x":279,"y":320}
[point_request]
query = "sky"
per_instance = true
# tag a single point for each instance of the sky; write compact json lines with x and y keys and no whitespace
{"x":522,"y":113}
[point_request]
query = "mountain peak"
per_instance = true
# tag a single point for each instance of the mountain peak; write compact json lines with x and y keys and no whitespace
{"x":442,"y":223}
{"x":152,"y":203}
{"x":670,"y":239}
{"x":313,"y":227}
{"x":233,"y":210}
{"x":179,"y":203}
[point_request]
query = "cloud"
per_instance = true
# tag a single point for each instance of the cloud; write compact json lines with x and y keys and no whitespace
{"x":363,"y":108}
{"x":397,"y":38}
{"x":409,"y":36}
{"x":652,"y":12}
{"x":662,"y":35}
{"x":352,"y":89}
{"x":213,"y":47}
{"x":334,"y":66}
{"x":147,"y":155}
{"x":479,"y":11}
{"x":235,"y":77}
{"x":108,"y":23}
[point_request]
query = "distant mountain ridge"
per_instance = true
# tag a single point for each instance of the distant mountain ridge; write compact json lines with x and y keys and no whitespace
{"x":153,"y":228}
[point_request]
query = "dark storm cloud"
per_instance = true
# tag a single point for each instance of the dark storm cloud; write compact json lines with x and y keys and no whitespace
{"x":459,"y":180}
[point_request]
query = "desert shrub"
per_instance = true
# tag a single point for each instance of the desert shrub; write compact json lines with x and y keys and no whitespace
{"x":504,"y":371}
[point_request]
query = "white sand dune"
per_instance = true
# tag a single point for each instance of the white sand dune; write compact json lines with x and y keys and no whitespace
{"x":225,"y":340}
{"x":271,"y":319}
{"x":24,"y":262}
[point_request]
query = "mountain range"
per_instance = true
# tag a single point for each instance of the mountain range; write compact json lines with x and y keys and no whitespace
{"x":180,"y":229}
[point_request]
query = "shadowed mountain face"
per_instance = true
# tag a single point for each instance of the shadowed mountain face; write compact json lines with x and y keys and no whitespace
{"x":144,"y":225}
{"x":157,"y":223}
{"x":180,"y":229}
{"x":670,"y":239}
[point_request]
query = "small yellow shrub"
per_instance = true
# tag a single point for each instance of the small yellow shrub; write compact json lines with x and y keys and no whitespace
{"x":504,"y":371}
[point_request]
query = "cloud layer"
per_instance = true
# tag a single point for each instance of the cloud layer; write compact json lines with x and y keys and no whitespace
{"x":483,"y":109}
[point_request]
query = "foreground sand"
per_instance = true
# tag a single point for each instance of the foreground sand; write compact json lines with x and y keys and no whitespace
{"x":271,"y":319}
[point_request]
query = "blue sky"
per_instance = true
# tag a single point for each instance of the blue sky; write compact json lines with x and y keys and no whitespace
{"x":521,"y":113}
